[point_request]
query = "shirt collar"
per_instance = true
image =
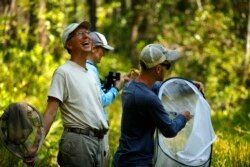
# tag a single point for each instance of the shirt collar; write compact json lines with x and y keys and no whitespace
{"x":90,"y":62}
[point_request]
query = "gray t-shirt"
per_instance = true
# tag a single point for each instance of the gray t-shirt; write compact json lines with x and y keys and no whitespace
{"x":79,"y":93}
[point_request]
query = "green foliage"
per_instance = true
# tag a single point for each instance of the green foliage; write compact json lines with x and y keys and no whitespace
{"x":114,"y":112}
{"x":211,"y":37}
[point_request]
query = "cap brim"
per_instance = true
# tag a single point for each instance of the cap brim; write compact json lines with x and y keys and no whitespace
{"x":172,"y":55}
{"x":107,"y":47}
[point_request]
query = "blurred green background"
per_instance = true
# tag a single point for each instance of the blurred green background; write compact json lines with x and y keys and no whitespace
{"x":214,"y":36}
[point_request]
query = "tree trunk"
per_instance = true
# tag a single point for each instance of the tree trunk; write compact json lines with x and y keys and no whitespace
{"x":247,"y":55}
{"x":92,"y":14}
{"x":123,"y":7}
{"x":10,"y":27}
{"x":198,"y":2}
{"x":42,"y":26}
{"x":33,"y":24}
{"x":4,"y":6}
{"x":136,"y":22}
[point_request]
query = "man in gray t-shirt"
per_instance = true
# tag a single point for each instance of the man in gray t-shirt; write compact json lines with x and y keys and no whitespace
{"x":75,"y":90}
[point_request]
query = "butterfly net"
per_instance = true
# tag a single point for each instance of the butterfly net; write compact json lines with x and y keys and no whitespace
{"x":193,"y":144}
{"x":21,"y":130}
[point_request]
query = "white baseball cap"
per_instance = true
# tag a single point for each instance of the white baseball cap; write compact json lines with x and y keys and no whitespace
{"x":154,"y":54}
{"x":99,"y":39}
{"x":72,"y":27}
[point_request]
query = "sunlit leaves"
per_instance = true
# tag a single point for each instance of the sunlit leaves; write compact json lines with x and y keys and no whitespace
{"x":212,"y":36}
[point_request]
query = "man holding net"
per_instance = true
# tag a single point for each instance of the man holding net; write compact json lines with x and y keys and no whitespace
{"x":143,"y":111}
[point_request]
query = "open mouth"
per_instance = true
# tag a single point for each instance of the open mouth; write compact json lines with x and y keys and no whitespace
{"x":86,"y":44}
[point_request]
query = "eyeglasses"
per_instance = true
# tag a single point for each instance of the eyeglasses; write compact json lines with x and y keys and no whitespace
{"x":81,"y":33}
{"x":167,"y":66}
{"x":78,"y":34}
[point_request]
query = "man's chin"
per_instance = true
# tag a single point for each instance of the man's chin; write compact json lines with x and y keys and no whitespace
{"x":87,"y":50}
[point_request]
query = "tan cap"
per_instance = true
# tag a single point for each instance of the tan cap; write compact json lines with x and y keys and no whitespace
{"x":154,"y":54}
{"x":72,"y":27}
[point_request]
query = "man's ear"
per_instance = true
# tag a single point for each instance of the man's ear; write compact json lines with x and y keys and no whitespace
{"x":94,"y":49}
{"x":158,"y":69}
{"x":68,"y":46}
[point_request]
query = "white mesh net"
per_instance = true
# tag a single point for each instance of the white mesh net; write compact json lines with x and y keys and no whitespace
{"x":192,"y":145}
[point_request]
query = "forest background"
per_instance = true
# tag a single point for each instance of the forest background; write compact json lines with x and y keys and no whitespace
{"x":214,"y":36}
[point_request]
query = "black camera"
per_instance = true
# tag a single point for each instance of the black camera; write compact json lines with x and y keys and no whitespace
{"x":110,"y":80}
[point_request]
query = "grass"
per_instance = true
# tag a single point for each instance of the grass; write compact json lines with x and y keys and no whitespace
{"x":231,"y":149}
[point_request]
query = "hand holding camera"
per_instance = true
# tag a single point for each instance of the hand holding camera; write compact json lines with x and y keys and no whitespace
{"x":110,"y":81}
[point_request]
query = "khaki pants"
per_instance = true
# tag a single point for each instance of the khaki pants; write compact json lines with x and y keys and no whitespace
{"x":106,"y":147}
{"x":78,"y":150}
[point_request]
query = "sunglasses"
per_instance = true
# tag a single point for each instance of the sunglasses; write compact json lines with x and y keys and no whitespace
{"x":167,"y":66}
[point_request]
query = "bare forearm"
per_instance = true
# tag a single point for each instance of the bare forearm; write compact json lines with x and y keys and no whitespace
{"x":49,"y":118}
{"x":50,"y":113}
